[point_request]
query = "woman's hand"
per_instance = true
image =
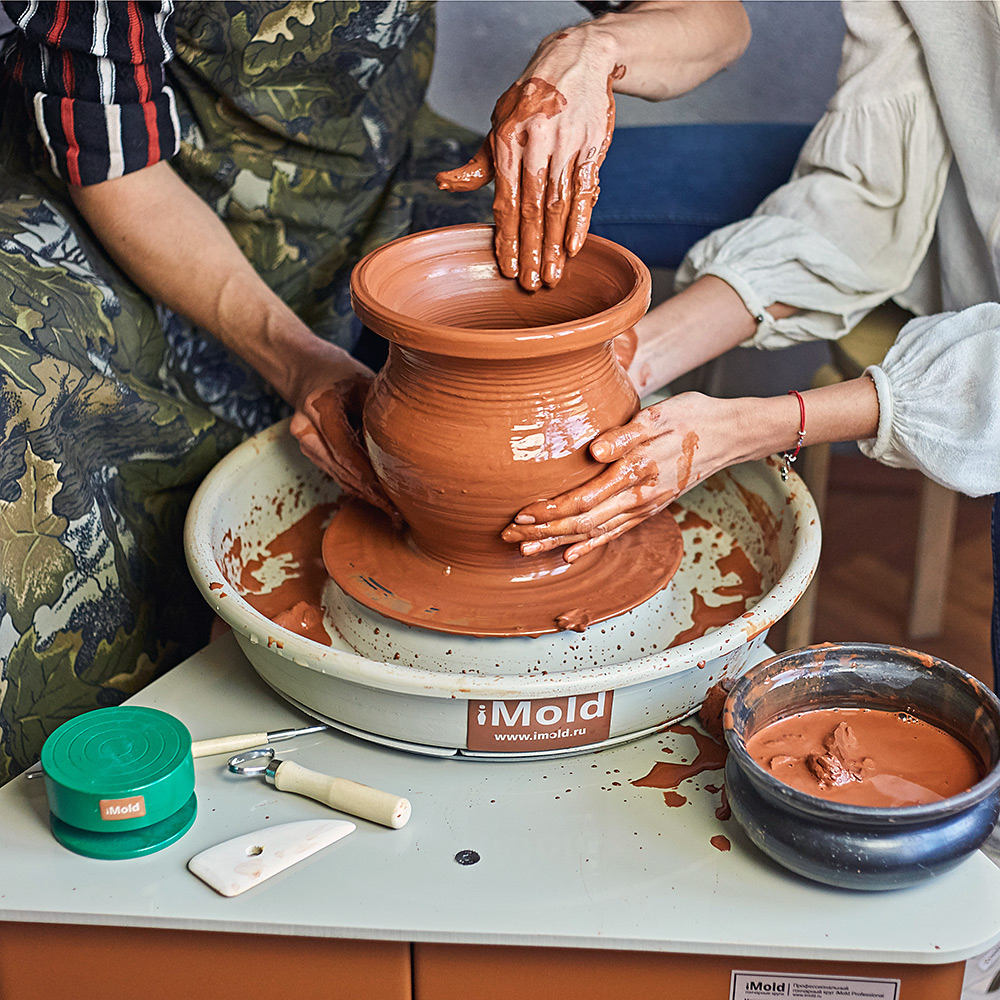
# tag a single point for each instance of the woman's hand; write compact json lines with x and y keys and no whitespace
{"x":552,"y":128}
{"x":327,"y":425}
{"x":550,"y":133}
{"x":651,"y":461}
{"x":671,"y":446}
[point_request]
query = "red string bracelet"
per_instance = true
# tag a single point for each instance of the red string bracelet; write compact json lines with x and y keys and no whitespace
{"x":789,"y":456}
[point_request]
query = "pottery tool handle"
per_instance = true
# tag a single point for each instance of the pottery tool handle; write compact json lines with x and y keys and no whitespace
{"x":340,"y":793}
{"x":227,"y":744}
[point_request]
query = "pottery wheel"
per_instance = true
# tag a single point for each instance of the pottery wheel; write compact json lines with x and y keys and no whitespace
{"x":380,"y":567}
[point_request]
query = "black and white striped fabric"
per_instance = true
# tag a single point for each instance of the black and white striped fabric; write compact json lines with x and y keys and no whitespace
{"x":93,"y":73}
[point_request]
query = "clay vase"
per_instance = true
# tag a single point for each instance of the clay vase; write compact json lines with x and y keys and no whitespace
{"x":488,"y":401}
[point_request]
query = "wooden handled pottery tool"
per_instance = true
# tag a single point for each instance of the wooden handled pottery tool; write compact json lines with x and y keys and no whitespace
{"x":337,"y":793}
{"x":245,"y":861}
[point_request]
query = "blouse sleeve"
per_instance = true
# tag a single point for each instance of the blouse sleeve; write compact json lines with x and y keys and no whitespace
{"x":853,"y":224}
{"x":939,"y":399}
{"x":94,"y":76}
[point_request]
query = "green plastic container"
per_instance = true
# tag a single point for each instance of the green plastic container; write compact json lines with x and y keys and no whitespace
{"x":120,"y":782}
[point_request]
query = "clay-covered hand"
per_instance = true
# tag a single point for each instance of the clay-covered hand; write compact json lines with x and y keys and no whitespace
{"x":550,"y":133}
{"x":648,"y":463}
{"x":327,"y":425}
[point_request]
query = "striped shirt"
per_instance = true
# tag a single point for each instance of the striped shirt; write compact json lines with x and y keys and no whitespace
{"x":94,"y":75}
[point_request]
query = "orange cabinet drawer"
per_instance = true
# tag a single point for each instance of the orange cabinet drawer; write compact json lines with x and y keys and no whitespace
{"x":62,"y":961}
{"x":480,"y":972}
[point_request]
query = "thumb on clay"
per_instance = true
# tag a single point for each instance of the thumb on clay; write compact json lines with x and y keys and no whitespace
{"x":475,"y":174}
{"x":342,"y":455}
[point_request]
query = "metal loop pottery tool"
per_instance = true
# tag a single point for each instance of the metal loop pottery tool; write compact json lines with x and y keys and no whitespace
{"x":338,"y":793}
{"x":120,"y":782}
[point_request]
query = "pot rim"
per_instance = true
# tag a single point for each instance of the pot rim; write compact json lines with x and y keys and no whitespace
{"x":859,"y":815}
{"x":495,"y":343}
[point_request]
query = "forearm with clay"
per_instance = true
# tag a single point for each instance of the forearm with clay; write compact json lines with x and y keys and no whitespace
{"x":551,"y":129}
{"x":671,"y":446}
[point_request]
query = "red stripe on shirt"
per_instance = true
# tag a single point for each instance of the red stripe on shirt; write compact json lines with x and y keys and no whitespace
{"x":138,"y":50}
{"x":72,"y":146}
{"x":55,"y":32}
{"x":137,"y":47}
{"x":149,"y":113}
{"x":69,"y":78}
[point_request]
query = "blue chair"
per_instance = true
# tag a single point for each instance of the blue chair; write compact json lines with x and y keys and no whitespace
{"x":664,"y":187}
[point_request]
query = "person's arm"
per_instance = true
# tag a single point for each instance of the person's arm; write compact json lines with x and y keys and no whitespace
{"x":551,"y":129}
{"x":178,"y":251}
{"x":846,"y":233}
{"x":671,"y":446}
{"x":108,"y":128}
{"x":854,"y":222}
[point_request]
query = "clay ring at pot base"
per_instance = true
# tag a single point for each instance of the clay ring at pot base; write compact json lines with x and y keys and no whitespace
{"x":488,"y":401}
{"x":859,"y":846}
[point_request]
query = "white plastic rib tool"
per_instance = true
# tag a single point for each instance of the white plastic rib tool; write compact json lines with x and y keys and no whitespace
{"x":338,"y":793}
{"x":245,"y":861}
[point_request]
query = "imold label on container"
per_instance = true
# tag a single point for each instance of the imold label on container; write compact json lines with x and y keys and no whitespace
{"x":129,"y":808}
{"x":789,"y":985}
{"x":534,"y":726}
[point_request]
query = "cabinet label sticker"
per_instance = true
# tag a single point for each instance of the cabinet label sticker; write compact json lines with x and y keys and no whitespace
{"x":789,"y":985}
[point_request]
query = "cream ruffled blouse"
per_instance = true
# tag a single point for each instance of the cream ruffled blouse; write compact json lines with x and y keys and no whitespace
{"x":896,"y":194}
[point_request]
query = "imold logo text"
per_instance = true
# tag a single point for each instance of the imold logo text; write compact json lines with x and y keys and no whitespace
{"x":130,"y":808}
{"x":551,"y":723}
{"x":764,"y":988}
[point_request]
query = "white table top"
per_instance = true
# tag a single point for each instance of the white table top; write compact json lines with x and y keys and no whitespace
{"x":572,"y":854}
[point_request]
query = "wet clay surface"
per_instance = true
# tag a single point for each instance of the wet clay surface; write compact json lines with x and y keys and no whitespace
{"x":466,"y":424}
{"x":711,"y":756}
{"x":283,"y":578}
{"x":382,"y":568}
{"x":867,"y":757}
{"x":710,"y":713}
{"x":668,"y":775}
{"x":747,"y":587}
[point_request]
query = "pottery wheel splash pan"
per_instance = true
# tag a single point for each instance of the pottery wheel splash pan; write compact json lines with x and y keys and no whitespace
{"x":751,"y":543}
{"x":120,"y":782}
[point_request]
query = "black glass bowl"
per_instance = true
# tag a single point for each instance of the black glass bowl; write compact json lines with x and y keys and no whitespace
{"x":851,"y":846}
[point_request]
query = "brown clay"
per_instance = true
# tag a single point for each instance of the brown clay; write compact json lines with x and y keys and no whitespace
{"x":488,"y":401}
{"x":295,"y":603}
{"x":867,"y":757}
{"x":529,"y":243}
{"x":711,"y":757}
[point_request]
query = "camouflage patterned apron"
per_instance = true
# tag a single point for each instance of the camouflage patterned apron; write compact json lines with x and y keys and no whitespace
{"x":303,"y":127}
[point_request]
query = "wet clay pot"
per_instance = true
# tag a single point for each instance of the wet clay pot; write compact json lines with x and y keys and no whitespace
{"x":488,"y":401}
